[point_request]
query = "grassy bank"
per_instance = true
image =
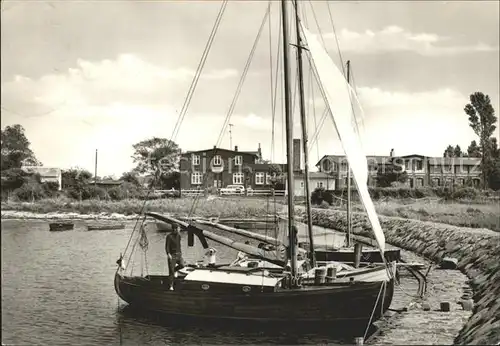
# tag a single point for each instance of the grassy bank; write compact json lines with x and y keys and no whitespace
{"x":454,"y":213}
{"x":179,"y":206}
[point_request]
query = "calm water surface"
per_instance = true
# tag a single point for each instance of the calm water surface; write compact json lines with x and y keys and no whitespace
{"x":57,"y":289}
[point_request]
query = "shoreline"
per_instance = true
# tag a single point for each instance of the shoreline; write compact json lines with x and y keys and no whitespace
{"x":410,"y":235}
{"x":27,"y":215}
{"x":476,"y":250}
{"x":477,"y":216}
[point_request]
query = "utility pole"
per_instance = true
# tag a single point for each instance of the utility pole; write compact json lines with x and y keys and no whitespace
{"x":95,"y":170}
{"x":230,"y":137}
{"x":348,"y":176}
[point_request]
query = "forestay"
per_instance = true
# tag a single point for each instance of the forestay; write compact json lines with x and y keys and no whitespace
{"x":336,"y":91}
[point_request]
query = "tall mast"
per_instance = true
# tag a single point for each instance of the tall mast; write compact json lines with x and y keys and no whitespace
{"x":289,"y":139}
{"x":304,"y":135}
{"x":348,"y":176}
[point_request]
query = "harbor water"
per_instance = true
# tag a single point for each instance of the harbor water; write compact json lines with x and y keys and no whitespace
{"x":57,"y":289}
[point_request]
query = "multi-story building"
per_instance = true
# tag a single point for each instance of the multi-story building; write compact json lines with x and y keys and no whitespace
{"x":218,"y":167}
{"x":422,"y":170}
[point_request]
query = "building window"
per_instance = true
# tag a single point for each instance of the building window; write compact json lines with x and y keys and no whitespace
{"x":268,"y":179}
{"x":259,"y":178}
{"x":460,"y":181}
{"x":435,"y":169}
{"x":196,"y":178}
{"x":419,"y":182}
{"x":238,"y":160}
{"x":238,"y":178}
{"x":458,"y":169}
{"x":418,"y":164}
{"x":327,"y":165}
{"x":435,"y":181}
{"x":195,"y":159}
{"x":407,"y":165}
{"x":343,"y":167}
{"x":217,"y":160}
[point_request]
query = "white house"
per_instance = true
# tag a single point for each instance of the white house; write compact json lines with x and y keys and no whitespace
{"x":316,"y":179}
{"x":47,"y":174}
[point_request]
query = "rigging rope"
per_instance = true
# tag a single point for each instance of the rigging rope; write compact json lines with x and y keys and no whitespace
{"x":201,"y":64}
{"x":278,"y":65}
{"x":178,"y":123}
{"x":271,"y":79}
{"x":343,"y":69}
{"x":233,"y":103}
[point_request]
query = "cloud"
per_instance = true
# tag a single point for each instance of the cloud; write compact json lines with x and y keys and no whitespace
{"x":410,"y":122}
{"x":109,"y":105}
{"x":394,"y":38}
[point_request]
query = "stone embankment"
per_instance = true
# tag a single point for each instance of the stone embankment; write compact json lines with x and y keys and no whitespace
{"x":477,"y":252}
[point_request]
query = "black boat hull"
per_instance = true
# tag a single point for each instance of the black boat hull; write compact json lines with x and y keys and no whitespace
{"x":337,"y":303}
{"x":367,"y":255}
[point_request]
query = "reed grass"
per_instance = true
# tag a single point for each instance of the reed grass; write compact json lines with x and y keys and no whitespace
{"x":179,"y":206}
{"x":474,"y":215}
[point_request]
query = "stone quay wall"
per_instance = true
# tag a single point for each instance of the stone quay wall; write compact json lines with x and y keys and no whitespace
{"x":477,"y":252}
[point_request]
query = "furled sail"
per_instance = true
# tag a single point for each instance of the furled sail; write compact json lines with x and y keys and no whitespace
{"x":336,"y":92}
{"x":276,"y":256}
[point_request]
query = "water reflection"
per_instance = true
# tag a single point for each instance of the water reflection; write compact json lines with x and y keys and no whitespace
{"x":145,"y":327}
{"x":57,"y":289}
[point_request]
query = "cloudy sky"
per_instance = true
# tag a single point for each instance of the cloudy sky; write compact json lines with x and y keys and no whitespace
{"x":107,"y":74}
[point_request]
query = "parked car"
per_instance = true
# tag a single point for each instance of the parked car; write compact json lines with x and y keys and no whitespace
{"x":232,"y":190}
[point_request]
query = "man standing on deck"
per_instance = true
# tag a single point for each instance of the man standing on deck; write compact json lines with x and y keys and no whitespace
{"x":174,"y":253}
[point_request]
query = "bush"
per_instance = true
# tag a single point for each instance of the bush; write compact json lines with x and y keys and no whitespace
{"x":117,"y":193}
{"x":29,"y":191}
{"x":320,"y":195}
{"x":94,"y":192}
{"x":124,"y":191}
{"x":465,"y":193}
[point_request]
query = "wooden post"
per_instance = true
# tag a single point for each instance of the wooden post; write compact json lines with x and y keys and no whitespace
{"x":331,"y":274}
{"x":358,"y":250}
{"x":319,"y":276}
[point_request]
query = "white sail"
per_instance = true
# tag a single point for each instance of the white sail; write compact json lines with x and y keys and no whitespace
{"x":336,"y":91}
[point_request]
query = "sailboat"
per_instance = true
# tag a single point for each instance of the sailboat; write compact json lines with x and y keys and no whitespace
{"x":287,"y":291}
{"x":354,"y":247}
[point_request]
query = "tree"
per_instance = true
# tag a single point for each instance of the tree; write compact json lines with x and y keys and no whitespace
{"x":494,"y":178}
{"x":453,"y":151}
{"x":130,"y":177}
{"x":16,"y":149}
{"x":473,"y":150}
{"x":389,"y":174}
{"x":277,"y":178}
{"x":493,"y":148}
{"x":449,"y":152}
{"x":157,"y":157}
{"x":482,"y":120}
{"x":156,"y":153}
{"x":76,"y":182}
{"x":457,"y":151}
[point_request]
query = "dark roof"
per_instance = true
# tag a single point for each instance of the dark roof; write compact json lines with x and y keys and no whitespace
{"x":43,"y":171}
{"x":254,"y":153}
{"x":387,"y":159}
{"x":313,"y":175}
{"x":369,"y":158}
{"x":107,"y":182}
